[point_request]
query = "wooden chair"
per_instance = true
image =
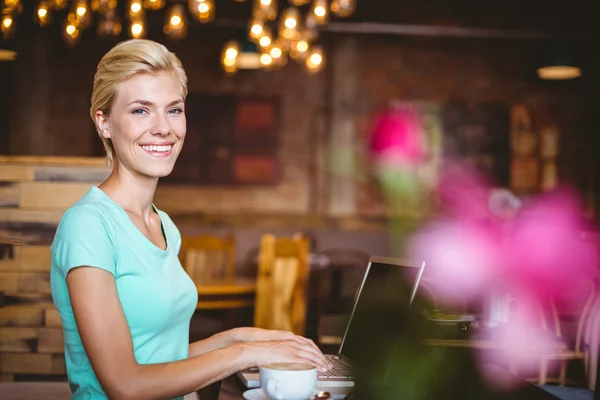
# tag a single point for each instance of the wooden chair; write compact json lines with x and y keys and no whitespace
{"x":208,"y":258}
{"x":282,"y":284}
{"x":579,"y":350}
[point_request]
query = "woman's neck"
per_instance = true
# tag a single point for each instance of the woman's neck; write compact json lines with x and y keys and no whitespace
{"x":133,"y":192}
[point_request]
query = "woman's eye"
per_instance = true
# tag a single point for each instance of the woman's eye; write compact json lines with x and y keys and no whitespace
{"x":176,"y":111}
{"x":139,"y":111}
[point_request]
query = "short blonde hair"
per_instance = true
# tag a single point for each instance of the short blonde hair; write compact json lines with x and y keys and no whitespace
{"x":125,"y":60}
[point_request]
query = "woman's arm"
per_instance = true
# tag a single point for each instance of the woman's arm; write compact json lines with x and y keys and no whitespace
{"x":107,"y":341}
{"x":246,"y":334}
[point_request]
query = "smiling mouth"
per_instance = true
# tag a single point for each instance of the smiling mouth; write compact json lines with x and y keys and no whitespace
{"x":162,"y":150}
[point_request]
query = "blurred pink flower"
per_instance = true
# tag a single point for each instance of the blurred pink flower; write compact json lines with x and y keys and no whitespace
{"x":462,"y":192}
{"x":546,"y":252}
{"x":462,"y":257}
{"x":397,"y":138}
{"x":521,"y":344}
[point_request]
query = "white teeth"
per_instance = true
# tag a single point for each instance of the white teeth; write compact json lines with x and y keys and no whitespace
{"x":158,"y":149}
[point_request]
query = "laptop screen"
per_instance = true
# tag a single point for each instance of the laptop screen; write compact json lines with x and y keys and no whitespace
{"x":388,"y":281}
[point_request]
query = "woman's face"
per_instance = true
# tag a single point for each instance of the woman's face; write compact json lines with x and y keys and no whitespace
{"x":147,"y":124}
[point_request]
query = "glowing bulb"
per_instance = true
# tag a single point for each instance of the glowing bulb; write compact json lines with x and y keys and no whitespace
{"x":42,"y":12}
{"x":256,"y":29}
{"x":265,"y":2}
{"x":137,"y":28}
{"x":275,"y":52}
{"x":136,"y":7}
{"x":203,"y":8}
{"x":302,"y":46}
{"x":320,"y":11}
{"x":291,"y":23}
{"x":7,"y":22}
{"x":70,"y":29}
{"x":264,"y":41}
{"x":229,"y":62}
{"x":231,"y":53}
{"x":175,"y":20}
{"x":81,"y":11}
{"x":265,"y":59}
{"x":316,"y":59}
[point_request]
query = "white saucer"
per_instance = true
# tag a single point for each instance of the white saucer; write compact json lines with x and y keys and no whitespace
{"x":255,"y":394}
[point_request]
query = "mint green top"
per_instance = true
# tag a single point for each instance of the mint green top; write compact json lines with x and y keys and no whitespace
{"x":157,"y":296}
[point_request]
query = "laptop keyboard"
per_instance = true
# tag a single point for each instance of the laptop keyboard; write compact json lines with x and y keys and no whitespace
{"x":338,"y":369}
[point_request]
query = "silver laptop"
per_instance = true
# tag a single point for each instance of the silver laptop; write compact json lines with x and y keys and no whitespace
{"x":380,"y":271}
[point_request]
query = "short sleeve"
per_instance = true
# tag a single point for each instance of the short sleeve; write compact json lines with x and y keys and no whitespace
{"x":82,"y":239}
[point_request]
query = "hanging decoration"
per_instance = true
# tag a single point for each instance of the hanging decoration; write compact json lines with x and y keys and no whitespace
{"x":278,"y":29}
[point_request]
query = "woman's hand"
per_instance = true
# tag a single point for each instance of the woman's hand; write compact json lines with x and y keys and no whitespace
{"x":296,"y":351}
{"x":238,"y":335}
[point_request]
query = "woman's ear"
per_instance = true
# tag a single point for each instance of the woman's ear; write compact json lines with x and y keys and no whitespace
{"x":102,"y":124}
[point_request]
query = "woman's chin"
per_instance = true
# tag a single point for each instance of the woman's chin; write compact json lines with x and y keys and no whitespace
{"x":161,"y":172}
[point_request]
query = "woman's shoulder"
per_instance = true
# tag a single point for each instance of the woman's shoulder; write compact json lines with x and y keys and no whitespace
{"x":91,"y":210}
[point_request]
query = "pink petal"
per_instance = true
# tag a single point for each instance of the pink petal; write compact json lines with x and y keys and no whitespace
{"x":460,"y":255}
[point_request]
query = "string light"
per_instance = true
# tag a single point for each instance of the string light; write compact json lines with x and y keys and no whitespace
{"x":42,"y":14}
{"x":315,"y":60}
{"x":343,"y":8}
{"x":292,"y":36}
{"x":176,"y":24}
{"x":320,"y":12}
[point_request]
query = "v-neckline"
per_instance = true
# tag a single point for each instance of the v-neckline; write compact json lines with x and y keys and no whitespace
{"x":149,"y":243}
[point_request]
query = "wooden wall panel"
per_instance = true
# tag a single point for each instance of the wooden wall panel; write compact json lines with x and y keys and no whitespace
{"x":9,"y":194}
{"x":52,"y":318}
{"x":11,"y":363}
{"x":34,"y":282}
{"x":18,"y":340}
{"x":21,"y":317}
{"x":50,"y":341}
{"x":9,"y":282}
{"x":34,"y":258}
{"x":34,"y":194}
{"x":70,"y":174}
{"x":46,"y":195}
{"x":16,"y":173}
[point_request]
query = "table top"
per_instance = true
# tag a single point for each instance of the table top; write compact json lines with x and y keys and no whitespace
{"x":233,"y":389}
{"x":228,"y":287}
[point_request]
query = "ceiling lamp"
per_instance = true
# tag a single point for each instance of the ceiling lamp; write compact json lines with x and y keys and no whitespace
{"x":560,"y":64}
{"x":7,"y":55}
{"x":559,"y":72}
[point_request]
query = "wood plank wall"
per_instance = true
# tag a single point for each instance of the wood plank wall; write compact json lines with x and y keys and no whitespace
{"x":34,"y":193}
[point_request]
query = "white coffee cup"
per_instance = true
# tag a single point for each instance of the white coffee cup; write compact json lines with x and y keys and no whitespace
{"x":288,"y":381}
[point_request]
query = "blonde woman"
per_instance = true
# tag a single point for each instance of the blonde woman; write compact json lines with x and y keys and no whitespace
{"x":123,"y":297}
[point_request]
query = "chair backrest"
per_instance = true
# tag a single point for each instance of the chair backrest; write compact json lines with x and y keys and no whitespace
{"x":282,"y":283}
{"x":593,"y":345}
{"x":208,"y":258}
